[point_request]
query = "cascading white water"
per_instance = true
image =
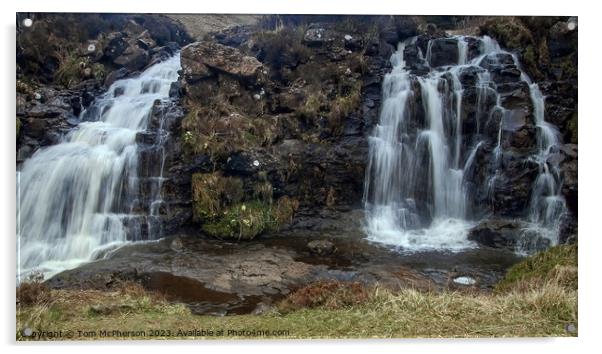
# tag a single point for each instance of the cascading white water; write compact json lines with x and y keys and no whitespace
{"x":76,"y":195}
{"x":415,"y":193}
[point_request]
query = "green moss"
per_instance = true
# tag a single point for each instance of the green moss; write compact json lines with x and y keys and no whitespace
{"x":557,"y":264}
{"x":212,"y":193}
{"x":242,"y":221}
{"x":245,"y":221}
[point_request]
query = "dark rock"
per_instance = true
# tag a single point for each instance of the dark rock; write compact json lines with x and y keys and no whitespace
{"x":443,"y":51}
{"x":116,"y":75}
{"x":116,"y":45}
{"x":508,"y":234}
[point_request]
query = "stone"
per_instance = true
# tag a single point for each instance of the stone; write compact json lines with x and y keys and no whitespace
{"x":133,"y":58}
{"x":506,"y":234}
{"x":321,"y":247}
{"x":116,"y":75}
{"x":199,"y":57}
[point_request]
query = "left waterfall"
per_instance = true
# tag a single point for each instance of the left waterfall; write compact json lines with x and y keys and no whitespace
{"x":78,"y":197}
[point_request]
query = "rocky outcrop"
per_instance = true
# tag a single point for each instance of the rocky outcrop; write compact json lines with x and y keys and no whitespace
{"x":201,"y":57}
{"x":285,"y":112}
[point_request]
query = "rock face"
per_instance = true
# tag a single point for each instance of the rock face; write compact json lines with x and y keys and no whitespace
{"x":288,"y":113}
{"x":285,"y":114}
{"x":59,"y":76}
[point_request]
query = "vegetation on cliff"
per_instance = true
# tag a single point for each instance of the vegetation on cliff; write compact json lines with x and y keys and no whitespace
{"x":219,"y":203}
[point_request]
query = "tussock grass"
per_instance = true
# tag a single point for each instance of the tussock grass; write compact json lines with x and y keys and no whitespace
{"x":339,"y":310}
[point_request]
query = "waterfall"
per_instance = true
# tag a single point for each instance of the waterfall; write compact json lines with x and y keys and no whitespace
{"x":82,"y":195}
{"x":416,"y":193}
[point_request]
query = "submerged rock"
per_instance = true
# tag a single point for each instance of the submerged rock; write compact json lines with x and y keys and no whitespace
{"x":321,"y":247}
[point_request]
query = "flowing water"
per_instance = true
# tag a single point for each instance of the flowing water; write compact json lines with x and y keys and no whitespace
{"x":417,"y":191}
{"x":82,"y":196}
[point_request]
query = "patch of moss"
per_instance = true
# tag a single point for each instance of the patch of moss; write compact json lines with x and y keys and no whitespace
{"x":212,"y":193}
{"x":557,"y":264}
{"x":246,"y":220}
{"x":242,"y":221}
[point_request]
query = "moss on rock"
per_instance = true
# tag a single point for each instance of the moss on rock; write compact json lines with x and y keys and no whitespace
{"x":212,"y":193}
{"x":217,"y":203}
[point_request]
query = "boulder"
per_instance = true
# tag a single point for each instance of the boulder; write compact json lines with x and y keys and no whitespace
{"x":116,"y":75}
{"x":321,"y":247}
{"x":201,"y":57}
{"x":444,"y":51}
{"x":133,"y":58}
{"x":507,"y":234}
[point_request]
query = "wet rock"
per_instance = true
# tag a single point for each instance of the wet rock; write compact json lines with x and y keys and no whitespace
{"x":116,"y":75}
{"x":444,"y":51}
{"x":176,"y":244}
{"x":133,"y":58}
{"x":321,"y":247}
{"x":496,"y":233}
{"x":508,"y":234}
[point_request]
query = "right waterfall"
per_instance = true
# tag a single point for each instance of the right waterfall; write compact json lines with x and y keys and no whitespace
{"x":462,"y":137}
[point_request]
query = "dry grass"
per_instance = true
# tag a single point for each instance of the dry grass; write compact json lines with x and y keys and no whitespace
{"x":545,"y":311}
{"x":330,"y":310}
